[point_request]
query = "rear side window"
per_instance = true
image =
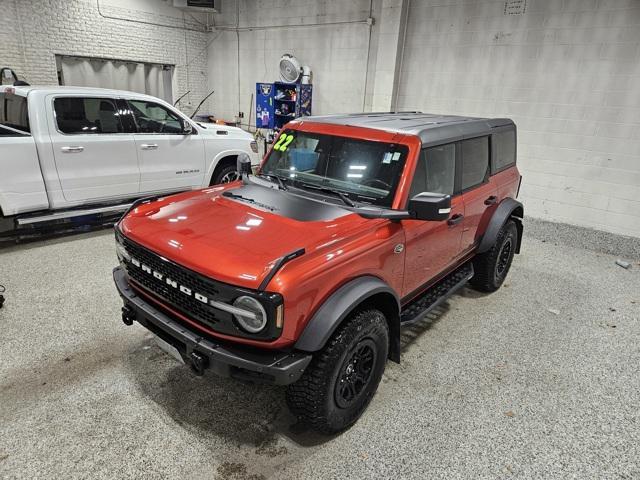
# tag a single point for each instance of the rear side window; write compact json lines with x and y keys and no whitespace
{"x":435,"y":172}
{"x":475,"y":161}
{"x":13,"y":112}
{"x":87,"y":115}
{"x":503,"y":147}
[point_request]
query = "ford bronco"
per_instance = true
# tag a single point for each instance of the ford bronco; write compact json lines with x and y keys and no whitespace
{"x":305,"y":273}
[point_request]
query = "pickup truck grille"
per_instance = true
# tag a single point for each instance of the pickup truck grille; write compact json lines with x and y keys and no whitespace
{"x":186,"y":304}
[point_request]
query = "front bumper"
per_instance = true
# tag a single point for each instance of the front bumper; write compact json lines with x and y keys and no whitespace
{"x":280,"y":368}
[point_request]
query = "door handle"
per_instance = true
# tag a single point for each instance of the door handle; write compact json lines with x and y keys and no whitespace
{"x":72,"y":149}
{"x":456,"y":219}
{"x":492,"y":200}
{"x":149,"y":146}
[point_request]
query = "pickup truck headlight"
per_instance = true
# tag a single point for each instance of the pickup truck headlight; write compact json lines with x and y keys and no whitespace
{"x":250,"y":314}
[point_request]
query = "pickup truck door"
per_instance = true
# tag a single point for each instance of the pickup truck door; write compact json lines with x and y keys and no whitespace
{"x":21,"y":184}
{"x":95,"y":158}
{"x":431,"y":247}
{"x":170,"y":159}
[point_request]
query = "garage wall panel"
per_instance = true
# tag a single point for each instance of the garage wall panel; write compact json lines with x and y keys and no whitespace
{"x":567,"y":72}
{"x":337,"y":54}
{"x":31,"y":40}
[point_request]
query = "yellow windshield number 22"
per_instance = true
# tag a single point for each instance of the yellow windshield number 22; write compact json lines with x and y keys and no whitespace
{"x":283,"y":142}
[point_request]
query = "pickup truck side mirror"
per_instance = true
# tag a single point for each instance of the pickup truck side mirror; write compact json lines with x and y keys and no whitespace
{"x":430,"y":206}
{"x":187,"y":128}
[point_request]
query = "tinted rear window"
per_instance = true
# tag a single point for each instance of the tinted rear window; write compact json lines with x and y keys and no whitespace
{"x":87,"y":115}
{"x":504,"y":149}
{"x":13,"y":112}
{"x":475,"y":161}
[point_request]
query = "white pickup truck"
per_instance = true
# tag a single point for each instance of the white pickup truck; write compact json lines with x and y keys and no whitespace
{"x":67,"y":152}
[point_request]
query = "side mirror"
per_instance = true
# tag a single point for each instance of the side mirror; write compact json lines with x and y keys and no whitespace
{"x":243,"y":164}
{"x":187,"y":128}
{"x":430,"y":206}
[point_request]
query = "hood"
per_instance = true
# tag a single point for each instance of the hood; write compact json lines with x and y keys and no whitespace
{"x":237,"y":240}
{"x":215,"y":130}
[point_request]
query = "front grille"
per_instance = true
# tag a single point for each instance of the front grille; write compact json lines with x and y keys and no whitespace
{"x":186,"y":304}
{"x":218,"y":320}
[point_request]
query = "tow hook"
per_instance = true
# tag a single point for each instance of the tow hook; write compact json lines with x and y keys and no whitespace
{"x":199,"y":363}
{"x":128,"y":315}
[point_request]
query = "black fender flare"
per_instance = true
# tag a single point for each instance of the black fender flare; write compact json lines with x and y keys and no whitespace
{"x":344,"y":301}
{"x":508,"y":209}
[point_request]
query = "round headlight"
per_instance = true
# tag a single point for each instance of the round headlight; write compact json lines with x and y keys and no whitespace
{"x":255,"y":318}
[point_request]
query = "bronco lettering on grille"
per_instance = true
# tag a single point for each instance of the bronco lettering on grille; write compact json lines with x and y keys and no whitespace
{"x":169,"y":281}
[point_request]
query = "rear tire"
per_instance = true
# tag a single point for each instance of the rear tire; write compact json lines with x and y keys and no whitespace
{"x":227,"y":174}
{"x":342,"y":378}
{"x":492,"y":266}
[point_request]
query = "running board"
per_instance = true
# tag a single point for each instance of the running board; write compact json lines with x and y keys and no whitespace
{"x":52,"y":217}
{"x":434,"y":296}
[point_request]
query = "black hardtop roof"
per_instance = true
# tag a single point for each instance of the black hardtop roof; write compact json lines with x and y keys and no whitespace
{"x":431,"y":128}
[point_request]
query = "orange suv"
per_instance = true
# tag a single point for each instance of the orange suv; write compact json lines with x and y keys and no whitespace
{"x":305,"y":273}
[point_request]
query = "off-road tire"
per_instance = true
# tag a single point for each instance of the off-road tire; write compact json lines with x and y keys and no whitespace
{"x":492,"y":266}
{"x":224,"y":172}
{"x":315,"y":398}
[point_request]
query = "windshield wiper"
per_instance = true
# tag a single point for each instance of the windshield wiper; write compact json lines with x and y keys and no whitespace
{"x":346,"y":200}
{"x":230,"y":194}
{"x":277,"y":178}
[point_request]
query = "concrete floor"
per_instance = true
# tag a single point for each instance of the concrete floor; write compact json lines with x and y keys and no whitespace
{"x":539,"y":380}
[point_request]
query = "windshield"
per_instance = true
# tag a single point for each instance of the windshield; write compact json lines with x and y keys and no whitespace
{"x":360,"y":169}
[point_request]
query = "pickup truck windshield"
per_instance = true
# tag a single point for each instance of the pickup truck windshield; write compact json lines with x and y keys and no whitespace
{"x":13,"y":112}
{"x":362,"y":170}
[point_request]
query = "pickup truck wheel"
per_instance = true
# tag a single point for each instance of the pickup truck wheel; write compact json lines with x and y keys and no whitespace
{"x":491,"y":267}
{"x":342,"y":378}
{"x":226,"y":175}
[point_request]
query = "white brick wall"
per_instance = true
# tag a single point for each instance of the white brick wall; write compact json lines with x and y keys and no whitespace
{"x":34,"y":31}
{"x":566,"y":71}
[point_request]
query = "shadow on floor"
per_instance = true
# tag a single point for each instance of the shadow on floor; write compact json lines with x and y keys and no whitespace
{"x":244,"y":414}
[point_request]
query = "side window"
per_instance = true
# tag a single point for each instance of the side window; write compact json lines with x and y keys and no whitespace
{"x":87,"y":115}
{"x":13,"y":112}
{"x":151,"y":117}
{"x":475,"y":161}
{"x":503,"y":147}
{"x":435,"y":171}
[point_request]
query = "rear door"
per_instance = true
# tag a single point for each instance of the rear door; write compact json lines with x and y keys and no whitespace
{"x":430,"y":247}
{"x":170,"y":160}
{"x":95,"y":157}
{"x":479,"y":191}
{"x":21,"y":184}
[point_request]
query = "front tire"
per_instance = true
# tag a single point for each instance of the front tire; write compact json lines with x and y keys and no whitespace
{"x":491,"y":267}
{"x":227,"y":174}
{"x":342,"y":378}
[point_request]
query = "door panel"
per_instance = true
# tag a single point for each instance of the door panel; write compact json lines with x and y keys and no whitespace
{"x":169,"y":159}
{"x":94,"y":158}
{"x":478,"y":187}
{"x":479,"y":204}
{"x":431,"y":247}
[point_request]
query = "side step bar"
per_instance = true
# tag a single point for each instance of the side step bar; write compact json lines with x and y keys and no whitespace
{"x":437,"y":294}
{"x":52,"y":217}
